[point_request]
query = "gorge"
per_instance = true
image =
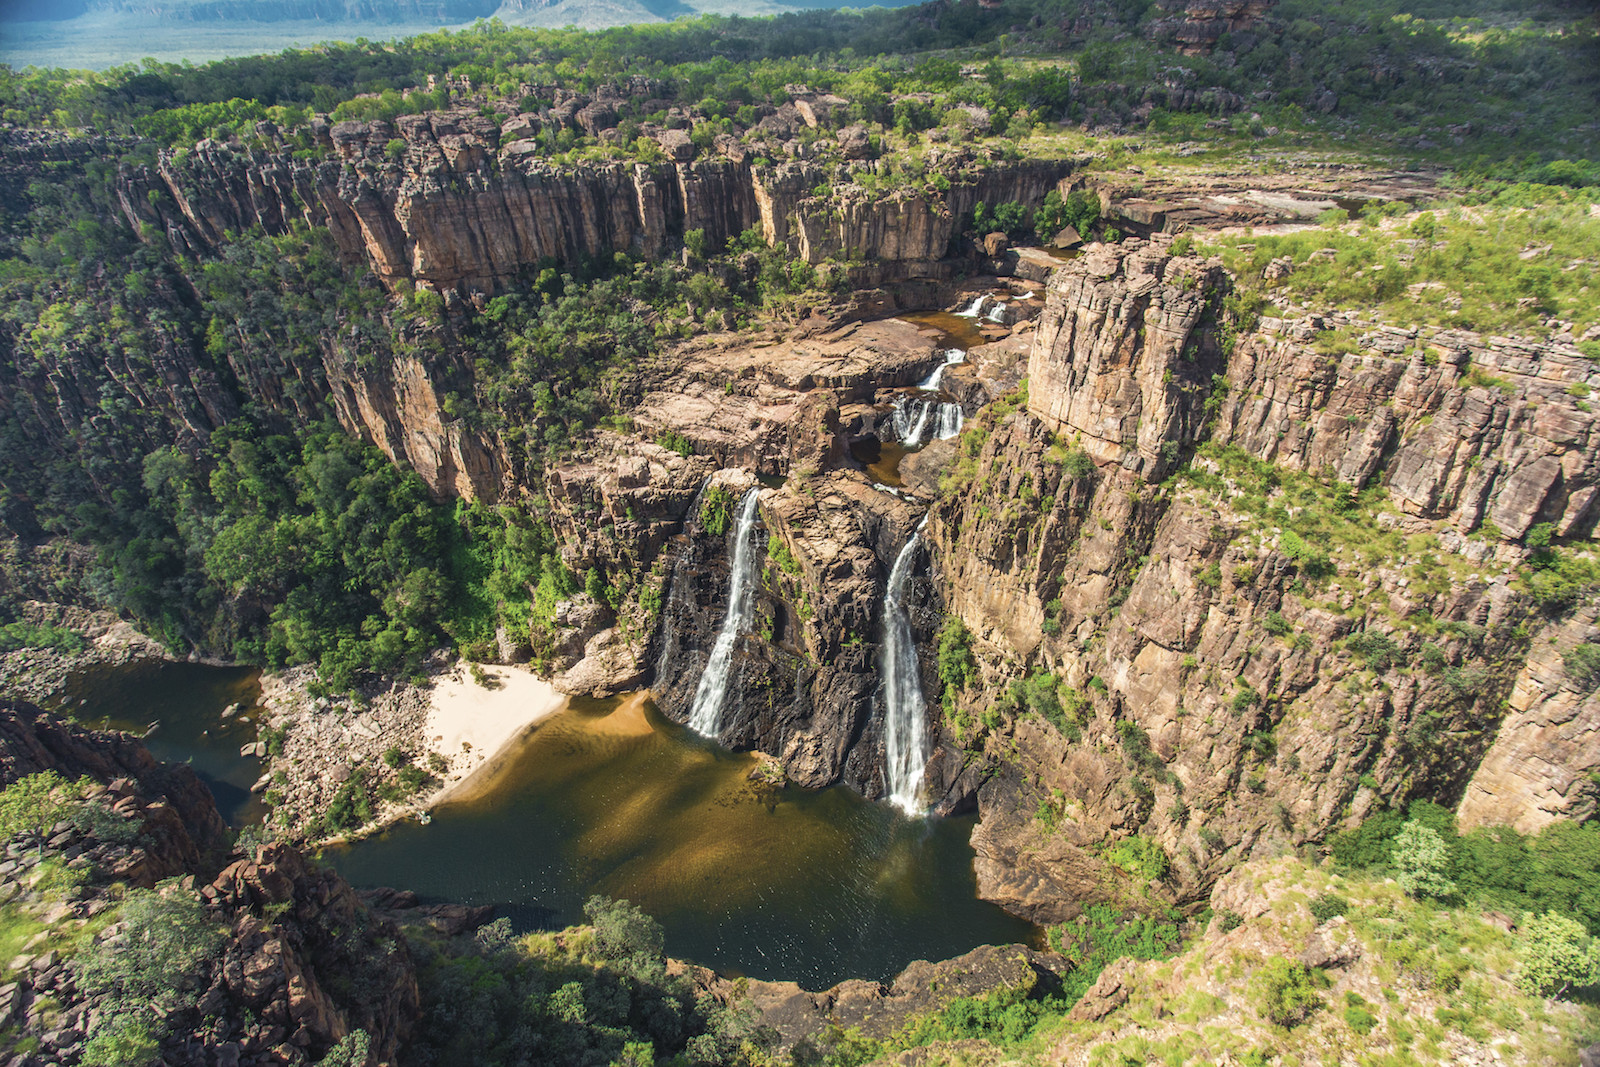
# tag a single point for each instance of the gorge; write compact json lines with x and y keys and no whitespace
{"x":1039,"y":568}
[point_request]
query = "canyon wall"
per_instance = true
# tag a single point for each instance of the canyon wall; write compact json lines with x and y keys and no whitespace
{"x":301,"y":962}
{"x":1226,"y":692}
{"x":465,"y":205}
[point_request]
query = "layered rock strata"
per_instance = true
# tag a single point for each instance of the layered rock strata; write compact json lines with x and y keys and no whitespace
{"x":464,"y":204}
{"x":1215,"y":705}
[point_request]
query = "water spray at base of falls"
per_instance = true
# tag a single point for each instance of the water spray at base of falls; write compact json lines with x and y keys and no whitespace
{"x":705,"y":717}
{"x":904,"y":710}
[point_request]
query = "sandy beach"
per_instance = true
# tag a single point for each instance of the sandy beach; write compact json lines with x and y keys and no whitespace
{"x":471,"y":724}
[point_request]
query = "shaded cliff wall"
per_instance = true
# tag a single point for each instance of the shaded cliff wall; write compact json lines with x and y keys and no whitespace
{"x":805,"y":682}
{"x":464,"y":205}
{"x":1222,"y":706}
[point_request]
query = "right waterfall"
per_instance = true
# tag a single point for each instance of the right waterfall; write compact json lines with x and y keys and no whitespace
{"x":905,"y":734}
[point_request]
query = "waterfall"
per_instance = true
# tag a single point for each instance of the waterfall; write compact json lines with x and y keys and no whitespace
{"x":905,"y":735}
{"x":919,"y":420}
{"x":909,"y":426}
{"x":951,"y":356}
{"x":706,"y":715}
{"x":974,"y":309}
{"x":998,"y":314}
{"x":951,"y":418}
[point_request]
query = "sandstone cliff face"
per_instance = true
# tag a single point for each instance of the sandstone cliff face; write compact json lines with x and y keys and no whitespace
{"x":1459,"y":428}
{"x":1543,"y":762}
{"x":1121,"y":358}
{"x":805,"y":682}
{"x":1217,"y":707}
{"x":1194,"y":27}
{"x":459,"y":203}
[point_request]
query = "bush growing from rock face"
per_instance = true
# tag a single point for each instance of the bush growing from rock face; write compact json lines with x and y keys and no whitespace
{"x":147,"y":974}
{"x":1325,"y":906}
{"x":38,"y":802}
{"x":1558,"y":955}
{"x":1283,"y":993}
{"x":1583,"y":666}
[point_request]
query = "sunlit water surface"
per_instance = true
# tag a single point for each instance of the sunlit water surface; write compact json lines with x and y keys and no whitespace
{"x":609,"y":797}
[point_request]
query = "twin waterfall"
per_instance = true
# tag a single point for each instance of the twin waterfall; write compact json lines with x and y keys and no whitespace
{"x":905,"y":734}
{"x":706,"y":715}
{"x":917,"y":421}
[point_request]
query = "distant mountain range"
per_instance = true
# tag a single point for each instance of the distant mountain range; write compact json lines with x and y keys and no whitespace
{"x":101,"y":33}
{"x":441,"y":12}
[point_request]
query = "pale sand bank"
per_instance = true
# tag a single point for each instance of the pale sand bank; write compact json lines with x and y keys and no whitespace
{"x":471,"y":724}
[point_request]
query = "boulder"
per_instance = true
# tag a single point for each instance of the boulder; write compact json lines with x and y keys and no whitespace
{"x":677,"y":145}
{"x":855,"y":142}
{"x":1067,"y":237}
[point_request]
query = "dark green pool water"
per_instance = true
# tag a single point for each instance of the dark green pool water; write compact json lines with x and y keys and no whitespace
{"x":609,"y":797}
{"x":185,"y":702}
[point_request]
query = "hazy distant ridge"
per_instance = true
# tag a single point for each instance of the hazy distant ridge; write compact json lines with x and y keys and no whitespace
{"x":304,"y":10}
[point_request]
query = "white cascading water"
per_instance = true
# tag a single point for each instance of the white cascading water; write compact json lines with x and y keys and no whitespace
{"x":951,"y":418}
{"x":974,"y":309}
{"x":705,"y":717}
{"x":952,"y":356}
{"x":905,"y":734}
{"x":918,"y":420}
{"x":998,"y":314}
{"x":911,"y":420}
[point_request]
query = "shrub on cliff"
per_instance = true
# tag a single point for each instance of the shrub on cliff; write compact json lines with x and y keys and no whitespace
{"x":1422,"y":862}
{"x":716,"y":511}
{"x":1284,"y":993}
{"x":578,"y":997}
{"x":147,"y":974}
{"x":956,"y":664}
{"x":37,"y":802}
{"x":1583,"y":666}
{"x":1558,"y":955}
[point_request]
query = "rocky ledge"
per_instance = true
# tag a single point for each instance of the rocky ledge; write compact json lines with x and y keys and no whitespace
{"x":300,"y":961}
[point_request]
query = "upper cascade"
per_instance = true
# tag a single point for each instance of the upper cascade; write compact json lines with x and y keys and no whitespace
{"x":706,"y":715}
{"x":905,"y":733}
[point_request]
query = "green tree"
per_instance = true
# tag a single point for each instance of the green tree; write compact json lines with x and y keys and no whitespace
{"x":148,"y":973}
{"x":1283,"y":993}
{"x":1557,"y":955}
{"x":36,"y":803}
{"x":351,"y":1051}
{"x":1422,"y":861}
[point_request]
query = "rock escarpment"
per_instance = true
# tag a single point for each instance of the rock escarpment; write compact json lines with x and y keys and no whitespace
{"x":1121,"y":359}
{"x":1225,"y":684}
{"x":302,"y":963}
{"x":464,"y":204}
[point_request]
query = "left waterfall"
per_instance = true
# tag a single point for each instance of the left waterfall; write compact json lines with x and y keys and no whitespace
{"x":905,"y":736}
{"x":705,"y":717}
